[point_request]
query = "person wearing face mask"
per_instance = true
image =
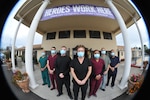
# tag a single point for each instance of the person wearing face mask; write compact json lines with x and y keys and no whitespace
{"x":44,"y":70}
{"x":98,"y":67}
{"x":81,"y":69}
{"x":107,"y":65}
{"x":63,"y":72}
{"x":112,"y":72}
{"x":50,"y":65}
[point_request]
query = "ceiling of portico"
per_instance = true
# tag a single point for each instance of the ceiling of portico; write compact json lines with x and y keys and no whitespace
{"x":30,"y":7}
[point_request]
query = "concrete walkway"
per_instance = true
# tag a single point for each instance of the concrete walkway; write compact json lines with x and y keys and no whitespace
{"x":109,"y":94}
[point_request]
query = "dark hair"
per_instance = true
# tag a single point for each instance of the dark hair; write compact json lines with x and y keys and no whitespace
{"x":54,"y":47}
{"x":63,"y":47}
{"x":96,"y":50}
{"x":80,"y":46}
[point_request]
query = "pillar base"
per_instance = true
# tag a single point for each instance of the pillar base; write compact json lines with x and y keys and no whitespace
{"x":141,"y":68}
{"x":123,"y":87}
{"x":33,"y":86}
{"x":13,"y":70}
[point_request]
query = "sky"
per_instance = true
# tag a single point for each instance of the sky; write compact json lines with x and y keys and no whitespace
{"x":11,"y":25}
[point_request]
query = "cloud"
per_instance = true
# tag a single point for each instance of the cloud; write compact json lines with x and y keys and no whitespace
{"x":9,"y":30}
{"x":133,"y":34}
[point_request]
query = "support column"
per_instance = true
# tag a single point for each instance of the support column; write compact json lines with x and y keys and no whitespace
{"x":141,"y":40}
{"x":29,"y":45}
{"x":123,"y":28}
{"x":13,"y":46}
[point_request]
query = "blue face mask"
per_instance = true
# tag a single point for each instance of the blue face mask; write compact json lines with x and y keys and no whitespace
{"x":96,"y":55}
{"x":42,"y":54}
{"x":103,"y":52}
{"x":80,"y":54}
{"x":62,"y":52}
{"x":53,"y":51}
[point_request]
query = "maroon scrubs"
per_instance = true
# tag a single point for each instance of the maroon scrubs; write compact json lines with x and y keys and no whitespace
{"x":97,"y":68}
{"x":51,"y":64}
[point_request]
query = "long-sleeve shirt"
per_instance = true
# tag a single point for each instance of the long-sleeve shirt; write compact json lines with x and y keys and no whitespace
{"x":62,"y":65}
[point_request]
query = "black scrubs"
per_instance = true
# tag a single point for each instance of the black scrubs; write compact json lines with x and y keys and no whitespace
{"x":81,"y":71}
{"x":62,"y":66}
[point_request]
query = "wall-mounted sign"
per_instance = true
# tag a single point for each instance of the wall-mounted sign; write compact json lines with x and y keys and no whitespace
{"x":77,"y":9}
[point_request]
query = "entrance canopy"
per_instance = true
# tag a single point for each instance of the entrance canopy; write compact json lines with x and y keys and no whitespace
{"x":87,"y":18}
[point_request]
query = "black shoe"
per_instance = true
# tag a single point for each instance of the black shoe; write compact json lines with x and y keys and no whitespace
{"x":107,"y":84}
{"x":112,"y":86}
{"x":70,"y":97}
{"x":49,"y":86}
{"x":52,"y":88}
{"x":94,"y":95}
{"x":89,"y":96}
{"x":44,"y":84}
{"x":103,"y":89}
{"x":59,"y":94}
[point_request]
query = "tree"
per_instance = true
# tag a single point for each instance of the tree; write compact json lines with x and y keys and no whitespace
{"x":147,"y":51}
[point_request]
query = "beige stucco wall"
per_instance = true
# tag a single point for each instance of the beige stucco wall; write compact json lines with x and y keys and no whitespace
{"x":72,"y":42}
{"x":121,"y":54}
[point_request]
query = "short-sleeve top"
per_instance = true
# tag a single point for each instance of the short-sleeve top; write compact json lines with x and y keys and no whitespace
{"x":114,"y":61}
{"x":80,"y":69}
{"x":97,"y":67}
{"x":52,"y":61}
{"x":43,"y":61}
{"x":106,"y":60}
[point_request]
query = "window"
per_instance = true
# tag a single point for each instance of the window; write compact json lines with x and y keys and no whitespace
{"x":51,"y":35}
{"x":64,"y":34}
{"x":94,"y":34}
{"x":79,"y":34}
{"x":107,"y":35}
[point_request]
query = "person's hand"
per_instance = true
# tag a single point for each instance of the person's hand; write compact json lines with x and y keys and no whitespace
{"x":105,"y":72}
{"x":51,"y":72}
{"x":42,"y":69}
{"x":79,"y":82}
{"x":61,"y":75}
{"x":83,"y":82}
{"x":98,"y":77}
{"x":112,"y":68}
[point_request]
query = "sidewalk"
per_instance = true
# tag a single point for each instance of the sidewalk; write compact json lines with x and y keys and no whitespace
{"x":45,"y":92}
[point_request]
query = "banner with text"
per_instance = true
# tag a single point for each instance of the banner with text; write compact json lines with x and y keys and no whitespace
{"x":77,"y":9}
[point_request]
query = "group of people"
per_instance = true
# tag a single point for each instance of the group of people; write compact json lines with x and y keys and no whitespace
{"x":94,"y":72}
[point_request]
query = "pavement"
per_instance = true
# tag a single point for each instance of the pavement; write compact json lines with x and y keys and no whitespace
{"x":44,"y":93}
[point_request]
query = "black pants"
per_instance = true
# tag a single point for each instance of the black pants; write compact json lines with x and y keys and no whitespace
{"x":76,"y":88}
{"x":66,"y":81}
{"x":113,"y":75}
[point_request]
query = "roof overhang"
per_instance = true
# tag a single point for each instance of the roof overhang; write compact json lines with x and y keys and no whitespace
{"x":30,"y":7}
